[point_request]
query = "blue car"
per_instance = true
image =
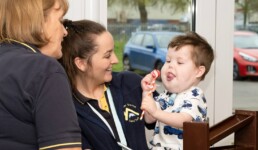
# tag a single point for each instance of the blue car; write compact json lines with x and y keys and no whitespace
{"x":146,"y":50}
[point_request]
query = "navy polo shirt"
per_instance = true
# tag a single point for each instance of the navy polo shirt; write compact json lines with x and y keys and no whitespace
{"x":36,"y":108}
{"x":126,"y":91}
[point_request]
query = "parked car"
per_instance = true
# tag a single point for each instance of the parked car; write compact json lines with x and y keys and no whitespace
{"x":245,"y":54}
{"x":146,"y":50}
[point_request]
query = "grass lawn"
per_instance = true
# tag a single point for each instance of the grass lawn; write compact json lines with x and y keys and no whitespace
{"x":119,"y":48}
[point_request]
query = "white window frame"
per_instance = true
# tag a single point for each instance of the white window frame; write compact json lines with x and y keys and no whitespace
{"x":215,"y":22}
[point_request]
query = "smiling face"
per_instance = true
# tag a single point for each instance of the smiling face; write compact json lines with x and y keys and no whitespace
{"x":102,"y":61}
{"x":54,"y":31}
{"x":179,"y":71}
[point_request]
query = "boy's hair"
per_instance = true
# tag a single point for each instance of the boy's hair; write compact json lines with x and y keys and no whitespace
{"x":202,"y":53}
{"x":80,"y":42}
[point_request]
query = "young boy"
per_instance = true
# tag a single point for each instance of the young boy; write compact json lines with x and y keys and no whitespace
{"x":188,"y":60}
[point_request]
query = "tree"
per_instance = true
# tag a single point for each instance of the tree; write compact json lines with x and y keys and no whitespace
{"x":247,"y":7}
{"x":141,"y":4}
{"x":175,"y":5}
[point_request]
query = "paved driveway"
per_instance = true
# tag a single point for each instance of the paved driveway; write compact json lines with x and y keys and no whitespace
{"x":245,"y":94}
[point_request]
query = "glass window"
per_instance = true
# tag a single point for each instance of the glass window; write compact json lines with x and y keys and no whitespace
{"x":127,"y":17}
{"x":164,"y":39}
{"x":148,"y":41}
{"x":137,"y":39}
{"x":245,"y":61}
{"x":246,"y":41}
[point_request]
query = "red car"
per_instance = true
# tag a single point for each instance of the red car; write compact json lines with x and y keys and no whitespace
{"x":245,"y":54}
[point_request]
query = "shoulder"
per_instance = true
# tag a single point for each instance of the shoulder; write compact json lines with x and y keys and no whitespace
{"x":48,"y":64}
{"x":17,"y":55}
{"x":125,"y":77}
{"x":126,"y":81}
{"x":27,"y":66}
{"x":41,"y":65}
{"x":194,"y":95}
{"x":194,"y":92}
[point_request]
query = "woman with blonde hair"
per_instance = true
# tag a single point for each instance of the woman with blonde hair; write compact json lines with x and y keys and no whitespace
{"x":36,"y":108}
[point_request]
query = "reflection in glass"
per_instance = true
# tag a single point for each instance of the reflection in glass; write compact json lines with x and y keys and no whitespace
{"x":248,"y":41}
{"x":126,"y":17}
{"x":245,"y":61}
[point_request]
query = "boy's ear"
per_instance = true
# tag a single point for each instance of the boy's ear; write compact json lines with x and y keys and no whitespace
{"x":80,"y":63}
{"x":200,"y":72}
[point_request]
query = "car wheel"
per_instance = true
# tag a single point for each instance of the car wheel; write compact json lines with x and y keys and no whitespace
{"x":158,"y":66}
{"x":236,"y":75}
{"x":126,"y":64}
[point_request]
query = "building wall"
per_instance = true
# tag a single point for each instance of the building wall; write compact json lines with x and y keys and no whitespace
{"x":154,"y":12}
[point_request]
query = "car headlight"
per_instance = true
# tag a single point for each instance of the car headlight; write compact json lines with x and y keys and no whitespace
{"x":247,"y":57}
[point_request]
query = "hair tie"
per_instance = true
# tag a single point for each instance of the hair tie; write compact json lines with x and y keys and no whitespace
{"x":68,"y":24}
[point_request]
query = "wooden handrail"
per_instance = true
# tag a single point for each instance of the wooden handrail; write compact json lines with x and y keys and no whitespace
{"x":198,"y":136}
{"x":227,"y":127}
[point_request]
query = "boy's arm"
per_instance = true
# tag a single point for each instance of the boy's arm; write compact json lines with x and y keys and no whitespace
{"x":172,"y":119}
{"x":149,"y":106}
{"x":148,"y":118}
{"x":187,"y":113}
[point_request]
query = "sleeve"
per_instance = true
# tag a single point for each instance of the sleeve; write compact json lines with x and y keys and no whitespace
{"x":150,"y":126}
{"x":195,"y":106}
{"x":55,"y":115}
{"x":85,"y":143}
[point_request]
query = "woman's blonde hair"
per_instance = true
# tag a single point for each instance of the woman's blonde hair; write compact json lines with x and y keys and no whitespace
{"x":23,"y":20}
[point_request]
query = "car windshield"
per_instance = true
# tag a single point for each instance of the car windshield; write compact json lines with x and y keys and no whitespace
{"x":246,"y":41}
{"x":164,"y":39}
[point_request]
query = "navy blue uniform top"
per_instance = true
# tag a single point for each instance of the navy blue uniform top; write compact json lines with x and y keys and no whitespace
{"x":36,"y":108}
{"x":127,"y":96}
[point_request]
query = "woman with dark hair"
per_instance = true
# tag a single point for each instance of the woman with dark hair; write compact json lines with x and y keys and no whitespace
{"x":107,"y":103}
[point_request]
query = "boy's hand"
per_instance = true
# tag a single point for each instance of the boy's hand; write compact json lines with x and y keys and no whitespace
{"x":148,"y":82}
{"x":148,"y":86}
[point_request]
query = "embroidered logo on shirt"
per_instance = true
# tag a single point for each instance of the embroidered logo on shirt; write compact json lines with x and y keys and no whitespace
{"x":130,"y":113}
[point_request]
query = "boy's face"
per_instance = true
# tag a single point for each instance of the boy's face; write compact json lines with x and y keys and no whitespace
{"x":179,"y":71}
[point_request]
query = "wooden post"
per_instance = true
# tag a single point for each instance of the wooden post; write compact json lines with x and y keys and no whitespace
{"x":196,"y":136}
{"x":247,"y":136}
